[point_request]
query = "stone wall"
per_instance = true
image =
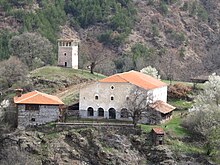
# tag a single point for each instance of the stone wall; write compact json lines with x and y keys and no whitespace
{"x":47,"y":113}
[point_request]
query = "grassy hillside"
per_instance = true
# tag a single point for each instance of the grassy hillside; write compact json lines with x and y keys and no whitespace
{"x":63,"y":82}
{"x":59,"y":73}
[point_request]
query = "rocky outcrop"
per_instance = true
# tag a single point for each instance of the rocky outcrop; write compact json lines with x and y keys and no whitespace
{"x":86,"y":146}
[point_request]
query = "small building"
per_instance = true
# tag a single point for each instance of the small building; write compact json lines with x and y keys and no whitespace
{"x":161,"y":110}
{"x":157,"y":136}
{"x":108,"y":97}
{"x":68,"y":53}
{"x":35,"y":108}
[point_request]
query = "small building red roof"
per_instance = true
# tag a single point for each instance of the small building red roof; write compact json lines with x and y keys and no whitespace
{"x":36,"y":97}
{"x":162,"y":107}
{"x":137,"y":78}
{"x":158,"y":131}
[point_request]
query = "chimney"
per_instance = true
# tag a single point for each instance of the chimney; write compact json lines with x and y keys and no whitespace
{"x":18,"y":92}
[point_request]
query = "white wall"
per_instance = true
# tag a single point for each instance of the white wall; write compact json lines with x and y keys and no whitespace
{"x":75,"y":57}
{"x":160,"y":94}
{"x":104,"y":92}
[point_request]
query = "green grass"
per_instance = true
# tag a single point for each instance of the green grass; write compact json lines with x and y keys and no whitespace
{"x":108,"y":149}
{"x":179,"y":146}
{"x":180,"y":104}
{"x":172,"y":126}
{"x":53,"y":72}
{"x":176,"y":82}
{"x":68,"y":100}
{"x":52,"y":79}
{"x":175,"y":134}
{"x":189,"y":84}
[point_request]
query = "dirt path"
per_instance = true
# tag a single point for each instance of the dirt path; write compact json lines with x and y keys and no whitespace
{"x":72,"y":90}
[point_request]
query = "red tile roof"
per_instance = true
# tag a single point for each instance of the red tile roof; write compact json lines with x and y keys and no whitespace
{"x":162,"y":107}
{"x":139,"y":79}
{"x":158,"y":130}
{"x":36,"y":97}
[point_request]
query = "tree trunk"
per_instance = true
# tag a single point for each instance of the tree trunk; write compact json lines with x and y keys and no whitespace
{"x":134,"y":122}
{"x":92,"y":68}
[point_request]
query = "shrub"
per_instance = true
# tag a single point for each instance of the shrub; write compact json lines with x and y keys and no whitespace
{"x":163,"y":8}
{"x":182,"y":52}
{"x":178,"y":91}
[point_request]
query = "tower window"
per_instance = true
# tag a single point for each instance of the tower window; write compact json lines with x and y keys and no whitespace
{"x":112,"y":97}
{"x":112,"y":87}
{"x":32,"y":119}
{"x":64,"y":54}
{"x":67,"y":44}
{"x":96,"y":97}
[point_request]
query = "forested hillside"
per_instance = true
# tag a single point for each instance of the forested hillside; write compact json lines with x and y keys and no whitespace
{"x":178,"y":37}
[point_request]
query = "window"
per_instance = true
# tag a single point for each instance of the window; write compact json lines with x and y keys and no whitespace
{"x":66,"y":43}
{"x":96,"y":97}
{"x":112,"y":87}
{"x":32,"y":107}
{"x":112,"y":97}
{"x":32,"y":119}
{"x":64,"y":54}
{"x":90,"y":111}
{"x":69,"y":43}
{"x":101,"y":112}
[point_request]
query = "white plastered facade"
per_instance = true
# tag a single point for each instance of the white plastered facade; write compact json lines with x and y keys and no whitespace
{"x":99,"y":95}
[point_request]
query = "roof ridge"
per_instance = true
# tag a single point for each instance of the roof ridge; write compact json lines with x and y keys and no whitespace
{"x":48,"y":96}
{"x":29,"y":96}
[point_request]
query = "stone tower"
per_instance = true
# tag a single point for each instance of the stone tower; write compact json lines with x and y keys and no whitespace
{"x":68,"y":53}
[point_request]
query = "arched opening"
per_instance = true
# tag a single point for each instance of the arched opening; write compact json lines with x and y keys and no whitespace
{"x":112,"y":113}
{"x":100,"y":112}
{"x":124,"y":113}
{"x":90,"y":111}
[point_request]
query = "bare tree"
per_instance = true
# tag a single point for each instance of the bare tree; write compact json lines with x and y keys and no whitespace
{"x":12,"y":71}
{"x":137,"y":104}
{"x":95,"y":53}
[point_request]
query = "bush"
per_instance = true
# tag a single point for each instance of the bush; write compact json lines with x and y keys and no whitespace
{"x":178,"y":91}
{"x":163,"y":8}
{"x":204,"y":117}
